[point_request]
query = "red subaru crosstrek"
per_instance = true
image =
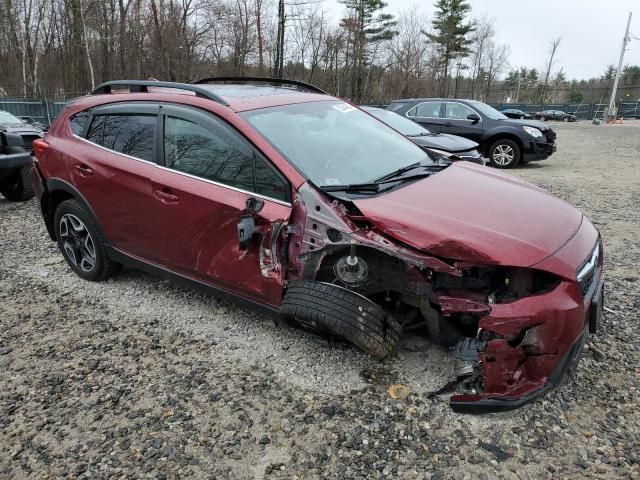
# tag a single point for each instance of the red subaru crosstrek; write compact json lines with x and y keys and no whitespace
{"x":273,"y":193}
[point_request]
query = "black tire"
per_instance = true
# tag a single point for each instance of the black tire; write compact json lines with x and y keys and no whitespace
{"x":17,"y":187}
{"x":337,"y":311}
{"x":103,"y":268}
{"x":504,"y":143}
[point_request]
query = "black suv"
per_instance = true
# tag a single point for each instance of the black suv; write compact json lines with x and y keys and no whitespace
{"x":504,"y":141}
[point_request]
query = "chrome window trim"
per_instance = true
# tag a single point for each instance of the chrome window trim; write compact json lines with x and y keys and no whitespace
{"x":235,"y":189}
{"x":590,"y":264}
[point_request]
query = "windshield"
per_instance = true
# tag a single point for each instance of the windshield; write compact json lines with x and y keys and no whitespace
{"x":402,"y":124}
{"x":487,"y":111}
{"x":8,"y":119}
{"x":334,"y":143}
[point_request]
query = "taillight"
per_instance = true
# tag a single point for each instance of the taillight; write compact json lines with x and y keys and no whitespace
{"x":39,"y":147}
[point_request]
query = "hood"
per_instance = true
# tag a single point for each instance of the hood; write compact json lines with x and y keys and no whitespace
{"x":446,"y":142}
{"x":542,"y":126}
{"x":472,"y":213}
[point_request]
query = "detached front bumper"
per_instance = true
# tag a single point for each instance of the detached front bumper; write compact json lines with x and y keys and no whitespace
{"x":535,"y":341}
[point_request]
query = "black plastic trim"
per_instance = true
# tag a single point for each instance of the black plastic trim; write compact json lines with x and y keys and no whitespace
{"x":121,"y":257}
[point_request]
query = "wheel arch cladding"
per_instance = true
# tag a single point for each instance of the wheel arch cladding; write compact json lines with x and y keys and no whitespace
{"x":57,"y":192}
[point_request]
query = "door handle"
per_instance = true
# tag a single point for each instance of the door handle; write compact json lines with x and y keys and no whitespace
{"x":166,"y":196}
{"x":448,"y":124}
{"x":83,"y":169}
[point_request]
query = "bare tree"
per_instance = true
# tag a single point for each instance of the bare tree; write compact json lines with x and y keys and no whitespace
{"x":553,"y":50}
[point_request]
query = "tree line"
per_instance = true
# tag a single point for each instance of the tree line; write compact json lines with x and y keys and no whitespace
{"x":64,"y":48}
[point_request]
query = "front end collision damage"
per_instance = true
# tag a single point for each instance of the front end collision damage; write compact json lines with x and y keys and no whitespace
{"x":520,"y":329}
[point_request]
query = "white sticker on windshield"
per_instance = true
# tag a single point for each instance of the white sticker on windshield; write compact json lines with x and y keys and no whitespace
{"x":344,"y":107}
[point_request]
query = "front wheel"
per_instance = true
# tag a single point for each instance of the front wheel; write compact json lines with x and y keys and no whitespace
{"x":17,"y":187}
{"x":565,"y":119}
{"x":81,"y":242}
{"x":504,"y":153}
{"x":521,"y":117}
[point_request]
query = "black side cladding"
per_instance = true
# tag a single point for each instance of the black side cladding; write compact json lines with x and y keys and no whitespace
{"x":341,"y":312}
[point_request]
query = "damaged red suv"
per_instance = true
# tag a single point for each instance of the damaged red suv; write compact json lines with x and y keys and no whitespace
{"x":275,"y":194}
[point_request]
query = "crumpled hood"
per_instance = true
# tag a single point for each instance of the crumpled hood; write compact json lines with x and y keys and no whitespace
{"x":20,"y":129}
{"x":472,"y":213}
{"x":444,"y":141}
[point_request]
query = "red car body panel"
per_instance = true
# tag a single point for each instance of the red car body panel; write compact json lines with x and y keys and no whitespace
{"x":463,"y":217}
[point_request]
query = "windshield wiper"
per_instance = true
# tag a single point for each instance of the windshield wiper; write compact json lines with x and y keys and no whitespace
{"x":396,"y":174}
{"x":352,"y":187}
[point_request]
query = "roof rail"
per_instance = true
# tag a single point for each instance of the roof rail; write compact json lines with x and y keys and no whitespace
{"x":273,"y":81}
{"x":136,"y":86}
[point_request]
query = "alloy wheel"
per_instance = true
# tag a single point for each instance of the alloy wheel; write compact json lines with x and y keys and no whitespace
{"x":77,"y":242}
{"x":503,"y":155}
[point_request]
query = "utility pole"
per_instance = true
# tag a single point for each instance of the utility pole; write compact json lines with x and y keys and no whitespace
{"x":612,"y":102}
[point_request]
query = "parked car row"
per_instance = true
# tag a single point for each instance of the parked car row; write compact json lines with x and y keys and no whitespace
{"x":277,"y":195}
{"x":504,"y":141}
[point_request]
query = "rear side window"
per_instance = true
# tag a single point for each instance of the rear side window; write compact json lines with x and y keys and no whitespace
{"x":132,"y":135}
{"x":221,"y":157}
{"x":78,"y":121}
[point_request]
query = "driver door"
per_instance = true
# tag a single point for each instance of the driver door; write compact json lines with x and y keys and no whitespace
{"x":210,"y":172}
{"x":457,"y":123}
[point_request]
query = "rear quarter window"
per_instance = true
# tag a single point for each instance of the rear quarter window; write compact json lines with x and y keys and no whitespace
{"x":78,"y":121}
{"x":132,"y":135}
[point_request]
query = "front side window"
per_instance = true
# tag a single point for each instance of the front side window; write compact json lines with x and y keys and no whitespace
{"x":427,"y":109}
{"x":458,"y":111}
{"x":334,"y":143}
{"x":221,"y":157}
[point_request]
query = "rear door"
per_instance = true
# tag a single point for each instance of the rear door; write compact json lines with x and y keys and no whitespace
{"x":456,"y":122}
{"x":428,"y":114}
{"x":210,"y":171}
{"x":112,"y":167}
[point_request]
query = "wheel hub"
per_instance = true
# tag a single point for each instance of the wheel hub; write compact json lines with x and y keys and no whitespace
{"x":77,"y":242}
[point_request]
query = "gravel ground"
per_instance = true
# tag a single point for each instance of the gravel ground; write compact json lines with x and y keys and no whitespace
{"x":140,"y":378}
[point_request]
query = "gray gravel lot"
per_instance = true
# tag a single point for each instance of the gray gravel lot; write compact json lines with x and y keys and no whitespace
{"x":140,"y":378}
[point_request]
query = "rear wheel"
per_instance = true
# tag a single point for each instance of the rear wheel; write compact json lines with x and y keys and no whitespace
{"x":504,"y":153}
{"x":17,"y":187}
{"x":81,"y":242}
{"x":565,"y":119}
{"x":336,"y":311}
{"x":544,"y":119}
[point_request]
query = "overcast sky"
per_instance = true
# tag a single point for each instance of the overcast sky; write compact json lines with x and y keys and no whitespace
{"x":591,"y":30}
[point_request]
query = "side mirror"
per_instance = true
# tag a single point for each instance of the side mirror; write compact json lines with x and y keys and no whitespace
{"x":253,"y":205}
{"x":474,"y":117}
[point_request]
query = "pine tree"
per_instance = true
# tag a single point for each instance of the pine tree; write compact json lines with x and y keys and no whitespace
{"x":366,"y":25}
{"x":450,"y":34}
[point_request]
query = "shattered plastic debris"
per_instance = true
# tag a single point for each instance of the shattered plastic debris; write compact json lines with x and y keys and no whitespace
{"x":399,"y":392}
